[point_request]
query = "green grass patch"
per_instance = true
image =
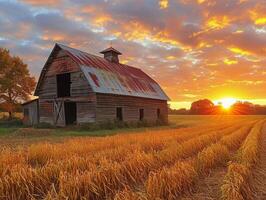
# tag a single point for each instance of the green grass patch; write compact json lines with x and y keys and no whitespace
{"x":6,"y":131}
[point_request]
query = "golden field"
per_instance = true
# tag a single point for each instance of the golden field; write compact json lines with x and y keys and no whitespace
{"x":208,"y":157}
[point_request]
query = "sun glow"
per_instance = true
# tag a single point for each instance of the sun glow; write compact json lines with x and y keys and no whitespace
{"x":226,"y":103}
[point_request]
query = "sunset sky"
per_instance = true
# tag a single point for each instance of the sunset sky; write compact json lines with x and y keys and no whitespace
{"x":194,"y":48}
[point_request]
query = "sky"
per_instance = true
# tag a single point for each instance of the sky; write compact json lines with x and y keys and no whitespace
{"x":194,"y":49}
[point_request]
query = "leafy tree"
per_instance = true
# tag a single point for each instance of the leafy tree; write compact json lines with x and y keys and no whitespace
{"x":16,"y":84}
{"x":202,"y":107}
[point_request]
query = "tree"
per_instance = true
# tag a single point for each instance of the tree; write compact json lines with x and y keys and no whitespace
{"x":202,"y":107}
{"x":243,"y":108}
{"x":16,"y":84}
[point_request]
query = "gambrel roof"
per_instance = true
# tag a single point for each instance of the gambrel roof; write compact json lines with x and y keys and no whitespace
{"x":111,"y":78}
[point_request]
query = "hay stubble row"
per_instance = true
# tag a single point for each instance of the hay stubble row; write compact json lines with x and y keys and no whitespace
{"x":160,"y":164}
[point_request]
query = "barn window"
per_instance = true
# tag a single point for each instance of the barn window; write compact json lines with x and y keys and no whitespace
{"x":158,"y":113}
{"x":63,"y":85}
{"x":141,"y":114}
{"x":119,"y":114}
{"x":26,"y":112}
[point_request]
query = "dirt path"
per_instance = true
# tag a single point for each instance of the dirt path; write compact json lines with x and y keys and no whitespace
{"x":259,"y":185}
{"x":208,"y":188}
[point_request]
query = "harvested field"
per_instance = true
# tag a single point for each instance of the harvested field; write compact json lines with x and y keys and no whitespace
{"x":206,"y":161}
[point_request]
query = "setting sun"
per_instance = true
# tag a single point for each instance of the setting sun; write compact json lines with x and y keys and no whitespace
{"x":226,"y":103}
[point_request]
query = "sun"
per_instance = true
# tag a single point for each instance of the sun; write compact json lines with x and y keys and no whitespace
{"x":226,"y":103}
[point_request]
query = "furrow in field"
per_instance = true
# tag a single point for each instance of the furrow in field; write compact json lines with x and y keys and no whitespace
{"x":237,"y":182}
{"x":46,"y":155}
{"x":258,"y":178}
{"x":171,"y":183}
{"x":41,"y":153}
{"x":104,"y":183}
{"x":208,"y":187}
{"x":99,"y":180}
{"x":26,"y":181}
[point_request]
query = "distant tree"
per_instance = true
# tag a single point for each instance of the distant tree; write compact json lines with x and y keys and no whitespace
{"x":16,"y":84}
{"x":202,"y":107}
{"x":243,"y":108}
{"x":260,"y":110}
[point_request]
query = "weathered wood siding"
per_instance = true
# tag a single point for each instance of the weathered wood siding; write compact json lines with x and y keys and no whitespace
{"x":46,"y":112}
{"x":51,"y":112}
{"x":107,"y":104}
{"x":79,"y":85}
{"x":31,"y":113}
{"x":62,"y":63}
{"x":48,"y":88}
{"x":86,"y":112}
{"x":80,"y":92}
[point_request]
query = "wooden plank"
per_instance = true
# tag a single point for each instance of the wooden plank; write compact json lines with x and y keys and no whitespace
{"x":46,"y":112}
{"x":107,"y":104}
{"x":86,"y":112}
{"x":62,"y":63}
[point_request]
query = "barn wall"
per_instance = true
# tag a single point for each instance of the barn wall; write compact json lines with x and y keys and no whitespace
{"x":86,"y":112}
{"x":80,"y":92}
{"x":46,"y":112}
{"x":32,"y":116}
{"x":79,"y":85}
{"x":107,"y":104}
{"x":48,"y":88}
{"x":62,"y":63}
{"x":51,"y":111}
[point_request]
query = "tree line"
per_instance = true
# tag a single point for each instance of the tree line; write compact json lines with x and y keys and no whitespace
{"x":207,"y":107}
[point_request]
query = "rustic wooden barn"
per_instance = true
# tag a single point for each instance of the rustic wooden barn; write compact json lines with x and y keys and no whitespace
{"x":76,"y":87}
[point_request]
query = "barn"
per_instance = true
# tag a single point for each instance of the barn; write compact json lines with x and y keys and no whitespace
{"x":76,"y":87}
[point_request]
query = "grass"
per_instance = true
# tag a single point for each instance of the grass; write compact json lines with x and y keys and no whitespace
{"x":6,"y":131}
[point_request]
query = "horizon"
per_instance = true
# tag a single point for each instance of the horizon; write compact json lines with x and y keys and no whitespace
{"x":180,"y":105}
{"x":193,"y":49}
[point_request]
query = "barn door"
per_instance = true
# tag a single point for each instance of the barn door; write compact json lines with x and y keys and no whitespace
{"x":59,"y":119}
{"x":70,"y":112}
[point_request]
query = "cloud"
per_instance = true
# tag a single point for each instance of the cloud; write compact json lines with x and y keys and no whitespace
{"x":194,"y":49}
{"x":163,"y":4}
{"x":49,"y":3}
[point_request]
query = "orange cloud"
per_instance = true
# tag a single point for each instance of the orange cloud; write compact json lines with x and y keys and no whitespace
{"x":239,"y":51}
{"x":170,"y":57}
{"x":163,"y":4}
{"x":217,"y":22}
{"x":260,"y":21}
{"x":258,"y":15}
{"x":201,"y":1}
{"x":229,"y":61}
{"x":101,"y":20}
{"x":49,"y":3}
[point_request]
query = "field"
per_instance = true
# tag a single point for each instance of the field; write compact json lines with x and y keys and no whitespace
{"x":196,"y":157}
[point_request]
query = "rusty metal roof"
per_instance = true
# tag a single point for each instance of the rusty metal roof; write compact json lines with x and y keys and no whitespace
{"x":115,"y":78}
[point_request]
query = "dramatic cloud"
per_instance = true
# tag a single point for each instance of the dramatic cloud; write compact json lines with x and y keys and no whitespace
{"x":193,"y":48}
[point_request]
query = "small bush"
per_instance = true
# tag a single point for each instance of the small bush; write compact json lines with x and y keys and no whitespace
{"x":14,"y":122}
{"x":116,"y":124}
